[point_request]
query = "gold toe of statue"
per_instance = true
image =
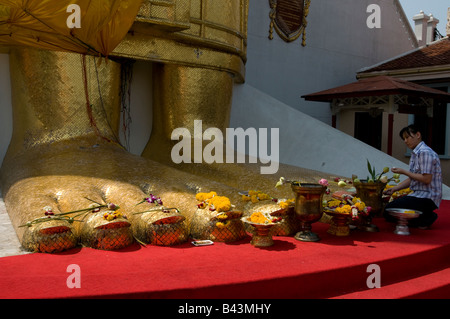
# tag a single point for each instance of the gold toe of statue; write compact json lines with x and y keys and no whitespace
{"x":161,"y":228}
{"x":99,"y":233}
{"x":50,"y":238}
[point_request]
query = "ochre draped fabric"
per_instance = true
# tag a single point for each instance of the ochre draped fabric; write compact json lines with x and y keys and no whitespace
{"x":43,"y":24}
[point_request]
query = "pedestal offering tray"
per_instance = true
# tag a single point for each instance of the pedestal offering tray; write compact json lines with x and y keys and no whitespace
{"x":262,"y":224}
{"x":339,"y":223}
{"x":284,"y":208}
{"x":403,"y":215}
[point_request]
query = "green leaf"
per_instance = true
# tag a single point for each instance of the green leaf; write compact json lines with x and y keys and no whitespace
{"x":369,"y":167}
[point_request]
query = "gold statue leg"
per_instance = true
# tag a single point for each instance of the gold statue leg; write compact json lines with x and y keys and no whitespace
{"x":63,"y":157}
{"x":184,"y":94}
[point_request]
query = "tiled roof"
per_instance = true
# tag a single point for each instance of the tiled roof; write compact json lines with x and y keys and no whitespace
{"x":434,"y":54}
{"x":376,"y":86}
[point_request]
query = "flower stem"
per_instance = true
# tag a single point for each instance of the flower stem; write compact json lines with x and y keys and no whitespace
{"x":60,"y":216}
{"x":161,"y":208}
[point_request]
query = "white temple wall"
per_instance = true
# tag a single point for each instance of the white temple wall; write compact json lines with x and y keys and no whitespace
{"x":338,"y":44}
{"x":305,"y":141}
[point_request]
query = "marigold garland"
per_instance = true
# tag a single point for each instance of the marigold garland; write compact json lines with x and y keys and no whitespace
{"x":345,"y":209}
{"x":399,"y":193}
{"x":349,"y":205}
{"x":220,"y":203}
{"x":285,"y":204}
{"x":216,"y":203}
{"x":205,"y":196}
{"x":111,"y":215}
{"x":259,"y":218}
{"x":255,"y":196}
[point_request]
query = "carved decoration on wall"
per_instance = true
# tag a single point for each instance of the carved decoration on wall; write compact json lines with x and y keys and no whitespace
{"x":288,"y":18}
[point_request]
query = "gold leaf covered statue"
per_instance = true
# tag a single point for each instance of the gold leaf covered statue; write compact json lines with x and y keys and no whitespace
{"x":65,"y":151}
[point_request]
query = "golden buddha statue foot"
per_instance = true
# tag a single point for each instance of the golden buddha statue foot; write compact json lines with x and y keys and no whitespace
{"x":64,"y":153}
{"x":100,"y":197}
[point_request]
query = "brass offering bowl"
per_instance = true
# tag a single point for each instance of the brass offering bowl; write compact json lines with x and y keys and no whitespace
{"x":308,"y":207}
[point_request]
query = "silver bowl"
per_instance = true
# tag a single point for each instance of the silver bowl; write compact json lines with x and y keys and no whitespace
{"x":403,"y":218}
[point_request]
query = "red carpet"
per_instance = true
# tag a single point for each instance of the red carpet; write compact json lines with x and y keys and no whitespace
{"x":414,"y":266}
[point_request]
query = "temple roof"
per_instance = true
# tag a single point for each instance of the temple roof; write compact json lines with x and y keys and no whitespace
{"x":434,"y":54}
{"x":377,"y":86}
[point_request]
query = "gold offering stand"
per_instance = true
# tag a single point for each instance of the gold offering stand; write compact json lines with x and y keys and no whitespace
{"x":261,"y":232}
{"x":339,"y":223}
{"x":372,"y":195}
{"x":308,"y":207}
{"x":288,"y":224}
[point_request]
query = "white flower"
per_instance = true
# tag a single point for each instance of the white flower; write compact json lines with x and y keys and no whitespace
{"x":280,"y":182}
{"x":384,"y":179}
{"x":342,"y":184}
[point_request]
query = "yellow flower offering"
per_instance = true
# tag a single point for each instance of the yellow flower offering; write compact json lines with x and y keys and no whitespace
{"x":409,"y":212}
{"x":221,"y":203}
{"x":263,"y":196}
{"x":399,"y":193}
{"x":334,"y":203}
{"x":255,"y":196}
{"x":360,"y":206}
{"x":205,"y":196}
{"x":346,"y":209}
{"x":285,"y":204}
{"x":259,"y":218}
{"x":221,"y":225}
{"x":217,"y":203}
{"x":109,"y":216}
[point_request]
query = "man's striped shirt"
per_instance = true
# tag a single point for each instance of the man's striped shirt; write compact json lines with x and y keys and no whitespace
{"x":425,"y":161}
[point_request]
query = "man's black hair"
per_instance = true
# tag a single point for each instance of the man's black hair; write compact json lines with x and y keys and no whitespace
{"x":410,"y":129}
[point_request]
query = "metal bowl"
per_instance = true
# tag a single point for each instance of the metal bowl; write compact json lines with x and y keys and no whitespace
{"x":403,"y":215}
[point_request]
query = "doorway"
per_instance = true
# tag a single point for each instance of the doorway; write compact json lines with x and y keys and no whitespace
{"x":368,"y":128}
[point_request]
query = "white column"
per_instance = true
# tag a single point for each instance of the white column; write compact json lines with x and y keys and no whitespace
{"x":420,"y":21}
